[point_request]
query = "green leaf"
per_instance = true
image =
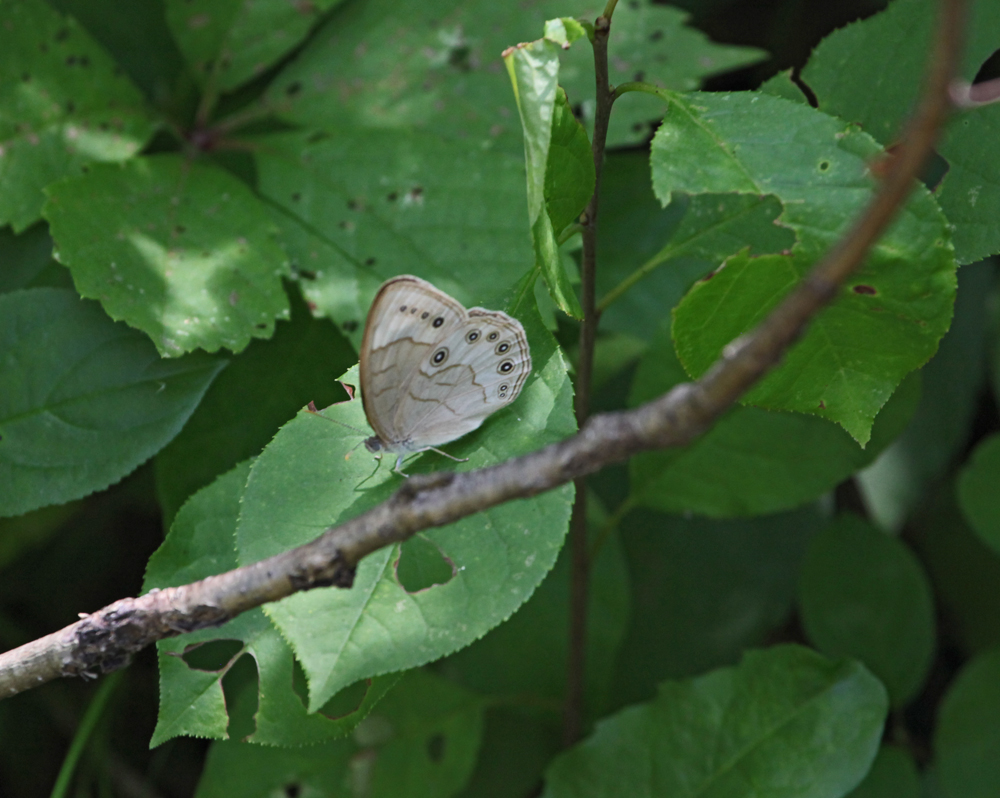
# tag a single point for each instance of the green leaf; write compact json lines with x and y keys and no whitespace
{"x":416,"y":204}
{"x":299,"y":365}
{"x":228,"y":42}
{"x":560,"y":166}
{"x":421,"y":742}
{"x":653,"y":43}
{"x":753,"y":461}
{"x":896,"y":483}
{"x":965,"y":572}
{"x":83,"y":400}
{"x":65,"y":104}
{"x":200,"y":544}
{"x":524,"y":656}
{"x":893,"y":775}
{"x":650,"y":255}
{"x":312,"y":476}
{"x":180,"y":250}
{"x":863,"y":594}
{"x":977,"y":491}
{"x":890,"y":316}
{"x":865,"y":73}
{"x":968,"y":732}
{"x":784,"y":722}
{"x":704,"y":591}
{"x":23,"y":257}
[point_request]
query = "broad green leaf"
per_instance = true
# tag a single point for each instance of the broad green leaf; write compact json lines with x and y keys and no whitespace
{"x":649,"y":42}
{"x":977,"y":491}
{"x":864,"y":594}
{"x":313,"y":475}
{"x":893,"y":775}
{"x":967,"y":736}
{"x":525,"y":655}
{"x":753,"y":461}
{"x":200,"y":544}
{"x":228,"y":42}
{"x":83,"y":400}
{"x":650,"y":255}
{"x":704,"y":591}
{"x":895,"y":484}
{"x":420,"y":742}
{"x":23,"y":257}
{"x":299,"y":365}
{"x":866,"y":73}
{"x":890,"y":315}
{"x":784,"y":722}
{"x":178,"y":249}
{"x":965,"y":572}
{"x":557,"y":155}
{"x":416,"y":204}
{"x":391,"y":64}
{"x":518,"y":743}
{"x":63,"y":104}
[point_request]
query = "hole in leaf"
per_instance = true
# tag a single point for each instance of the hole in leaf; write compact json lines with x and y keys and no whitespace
{"x":824,"y":165}
{"x":240,"y":688}
{"x":989,"y":70}
{"x":435,"y":747}
{"x":422,"y":565}
{"x":293,"y":790}
{"x":213,"y":655}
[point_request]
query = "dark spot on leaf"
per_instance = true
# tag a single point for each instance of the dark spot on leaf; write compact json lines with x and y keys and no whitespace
{"x":639,"y":76}
{"x":656,"y":35}
{"x":864,"y":289}
{"x":822,"y":405}
{"x":84,"y":61}
{"x":349,"y":326}
{"x":179,"y":229}
{"x":352,"y":205}
{"x":824,"y":165}
{"x":305,"y":274}
{"x":294,"y":88}
{"x":70,"y":60}
{"x":638,"y":126}
{"x":311,"y":305}
{"x":62,"y":34}
{"x":296,"y":197}
{"x":435,"y":747}
{"x":26,"y":77}
{"x":369,"y":261}
{"x":392,"y":196}
{"x":70,"y":107}
{"x":293,"y":790}
{"x":261,"y":326}
{"x":103,"y":126}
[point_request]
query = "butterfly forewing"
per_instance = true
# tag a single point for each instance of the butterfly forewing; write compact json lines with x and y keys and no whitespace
{"x":432,"y":371}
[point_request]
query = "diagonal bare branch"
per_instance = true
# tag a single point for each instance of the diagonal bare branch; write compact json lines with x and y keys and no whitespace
{"x":105,"y":641}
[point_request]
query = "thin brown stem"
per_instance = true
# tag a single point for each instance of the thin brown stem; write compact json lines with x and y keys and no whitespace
{"x":105,"y":640}
{"x":576,"y":655}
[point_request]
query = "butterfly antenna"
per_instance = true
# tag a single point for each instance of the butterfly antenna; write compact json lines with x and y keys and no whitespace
{"x":311,"y":408}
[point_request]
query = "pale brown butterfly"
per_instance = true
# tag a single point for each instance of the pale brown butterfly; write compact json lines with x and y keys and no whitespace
{"x":432,"y":371}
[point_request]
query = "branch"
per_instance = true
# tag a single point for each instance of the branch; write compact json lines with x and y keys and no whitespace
{"x":577,"y":653}
{"x":105,"y":641}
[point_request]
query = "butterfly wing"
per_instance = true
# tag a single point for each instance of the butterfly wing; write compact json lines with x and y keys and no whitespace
{"x":476,"y":368}
{"x":407,"y":317}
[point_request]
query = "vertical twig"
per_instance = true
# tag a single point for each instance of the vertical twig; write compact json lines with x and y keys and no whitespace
{"x":573,"y":712}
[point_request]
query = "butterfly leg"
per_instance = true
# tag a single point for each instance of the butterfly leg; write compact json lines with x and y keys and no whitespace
{"x":396,"y":468}
{"x":449,"y":456}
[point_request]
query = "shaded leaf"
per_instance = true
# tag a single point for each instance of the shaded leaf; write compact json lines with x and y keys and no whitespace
{"x":888,"y":318}
{"x":893,"y":775}
{"x":83,"y":400}
{"x":784,"y":722}
{"x":753,"y":461}
{"x":65,"y":104}
{"x":178,"y":249}
{"x":977,"y":491}
{"x":863,"y":594}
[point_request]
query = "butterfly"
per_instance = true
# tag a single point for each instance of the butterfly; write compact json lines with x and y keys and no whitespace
{"x":432,"y":371}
